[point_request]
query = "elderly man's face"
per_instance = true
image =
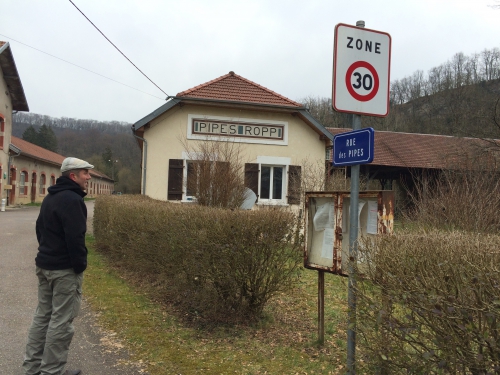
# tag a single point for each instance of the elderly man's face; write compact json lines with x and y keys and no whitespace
{"x":81,"y":177}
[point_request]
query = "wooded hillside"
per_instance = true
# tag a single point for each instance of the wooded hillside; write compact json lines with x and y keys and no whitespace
{"x":110,"y":146}
{"x":459,"y":98}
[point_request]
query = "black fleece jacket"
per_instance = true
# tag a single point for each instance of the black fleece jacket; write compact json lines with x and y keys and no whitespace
{"x":61,"y":227}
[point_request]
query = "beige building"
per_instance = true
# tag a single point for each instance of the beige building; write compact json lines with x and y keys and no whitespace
{"x":27,"y":170}
{"x":12,"y":98}
{"x":274,"y":135}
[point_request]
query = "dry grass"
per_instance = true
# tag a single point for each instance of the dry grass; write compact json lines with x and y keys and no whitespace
{"x":284,"y":341}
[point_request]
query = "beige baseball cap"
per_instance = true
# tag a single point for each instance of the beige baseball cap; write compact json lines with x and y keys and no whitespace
{"x":74,"y":163}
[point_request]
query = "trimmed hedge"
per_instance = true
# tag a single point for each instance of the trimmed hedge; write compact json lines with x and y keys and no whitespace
{"x":430,"y":304}
{"x":218,"y":265}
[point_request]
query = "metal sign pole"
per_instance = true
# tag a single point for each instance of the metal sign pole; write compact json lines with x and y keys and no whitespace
{"x":353,"y":253}
{"x":361,"y":82}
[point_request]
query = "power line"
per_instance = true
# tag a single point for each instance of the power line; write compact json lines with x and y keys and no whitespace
{"x":118,"y":48}
{"x":78,"y":66}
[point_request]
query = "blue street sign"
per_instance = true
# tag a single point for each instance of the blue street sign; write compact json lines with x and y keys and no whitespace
{"x":354,"y":147}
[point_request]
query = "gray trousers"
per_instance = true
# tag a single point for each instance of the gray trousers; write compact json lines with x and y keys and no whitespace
{"x":50,"y":334}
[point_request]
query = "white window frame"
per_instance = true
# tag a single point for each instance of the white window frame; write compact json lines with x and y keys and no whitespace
{"x":281,"y":200}
{"x":274,"y":161}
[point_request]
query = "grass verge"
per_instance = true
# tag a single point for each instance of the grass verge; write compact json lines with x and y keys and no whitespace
{"x":284,"y":341}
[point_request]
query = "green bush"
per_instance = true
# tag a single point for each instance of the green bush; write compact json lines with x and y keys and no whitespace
{"x":430,"y":304}
{"x":218,"y":265}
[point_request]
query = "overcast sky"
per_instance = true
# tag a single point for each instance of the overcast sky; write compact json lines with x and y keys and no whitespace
{"x":284,"y":45}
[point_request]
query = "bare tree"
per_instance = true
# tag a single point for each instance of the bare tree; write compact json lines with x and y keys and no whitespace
{"x":321,"y":109}
{"x":490,"y":63}
{"x":215,"y":173}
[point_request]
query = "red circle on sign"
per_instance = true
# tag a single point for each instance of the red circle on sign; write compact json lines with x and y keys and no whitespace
{"x":354,"y":94}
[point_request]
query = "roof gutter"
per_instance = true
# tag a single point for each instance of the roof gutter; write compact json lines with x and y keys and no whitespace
{"x":159,"y":111}
{"x":4,"y":47}
{"x":307,"y":115}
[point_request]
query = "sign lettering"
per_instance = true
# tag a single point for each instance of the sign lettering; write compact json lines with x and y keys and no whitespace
{"x":361,"y":69}
{"x":359,"y":45}
{"x":355,"y":147}
{"x":237,"y":129}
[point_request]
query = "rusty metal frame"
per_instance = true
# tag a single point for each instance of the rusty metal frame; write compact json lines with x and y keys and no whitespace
{"x":385,"y":223}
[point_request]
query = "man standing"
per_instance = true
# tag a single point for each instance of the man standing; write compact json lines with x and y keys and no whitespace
{"x":60,"y":262}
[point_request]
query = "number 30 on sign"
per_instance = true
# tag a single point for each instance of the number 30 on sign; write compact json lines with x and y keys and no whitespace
{"x":362,"y":81}
{"x":361,"y":71}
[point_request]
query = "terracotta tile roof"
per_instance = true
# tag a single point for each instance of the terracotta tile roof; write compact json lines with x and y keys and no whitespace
{"x":413,"y":150}
{"x":37,"y":152}
{"x":42,"y":154}
{"x":235,"y":88}
{"x":96,"y":173}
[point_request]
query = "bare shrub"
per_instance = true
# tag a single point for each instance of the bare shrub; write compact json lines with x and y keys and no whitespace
{"x":318,"y":176}
{"x":217,"y":265}
{"x":430,"y":303}
{"x":215,"y":173}
{"x":458,"y":199}
{"x":242,"y":260}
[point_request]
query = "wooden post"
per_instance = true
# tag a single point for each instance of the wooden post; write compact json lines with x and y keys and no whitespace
{"x":321,"y":307}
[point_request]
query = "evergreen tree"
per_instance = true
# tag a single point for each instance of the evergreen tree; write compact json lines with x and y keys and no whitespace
{"x":47,"y":138}
{"x":31,"y":135}
{"x":44,"y":137}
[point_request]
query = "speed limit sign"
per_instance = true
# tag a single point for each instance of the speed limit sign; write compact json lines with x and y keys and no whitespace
{"x":361,"y":71}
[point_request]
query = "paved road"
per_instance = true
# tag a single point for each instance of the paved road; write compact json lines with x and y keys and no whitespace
{"x":94,"y":350}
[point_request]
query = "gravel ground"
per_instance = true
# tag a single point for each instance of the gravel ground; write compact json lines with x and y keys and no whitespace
{"x":93,"y":349}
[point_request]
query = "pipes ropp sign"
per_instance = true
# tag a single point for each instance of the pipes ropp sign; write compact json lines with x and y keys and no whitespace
{"x":361,"y":67}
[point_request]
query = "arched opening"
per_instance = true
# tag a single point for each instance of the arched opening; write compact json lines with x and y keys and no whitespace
{"x":33,"y":187}
{"x":42,"y":185}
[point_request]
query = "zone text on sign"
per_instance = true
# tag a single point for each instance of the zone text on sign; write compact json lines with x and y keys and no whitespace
{"x":358,"y":44}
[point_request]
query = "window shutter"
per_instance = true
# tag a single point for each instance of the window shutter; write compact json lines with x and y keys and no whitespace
{"x":294,"y":183}
{"x":175,"y":168}
{"x":252,"y":177}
